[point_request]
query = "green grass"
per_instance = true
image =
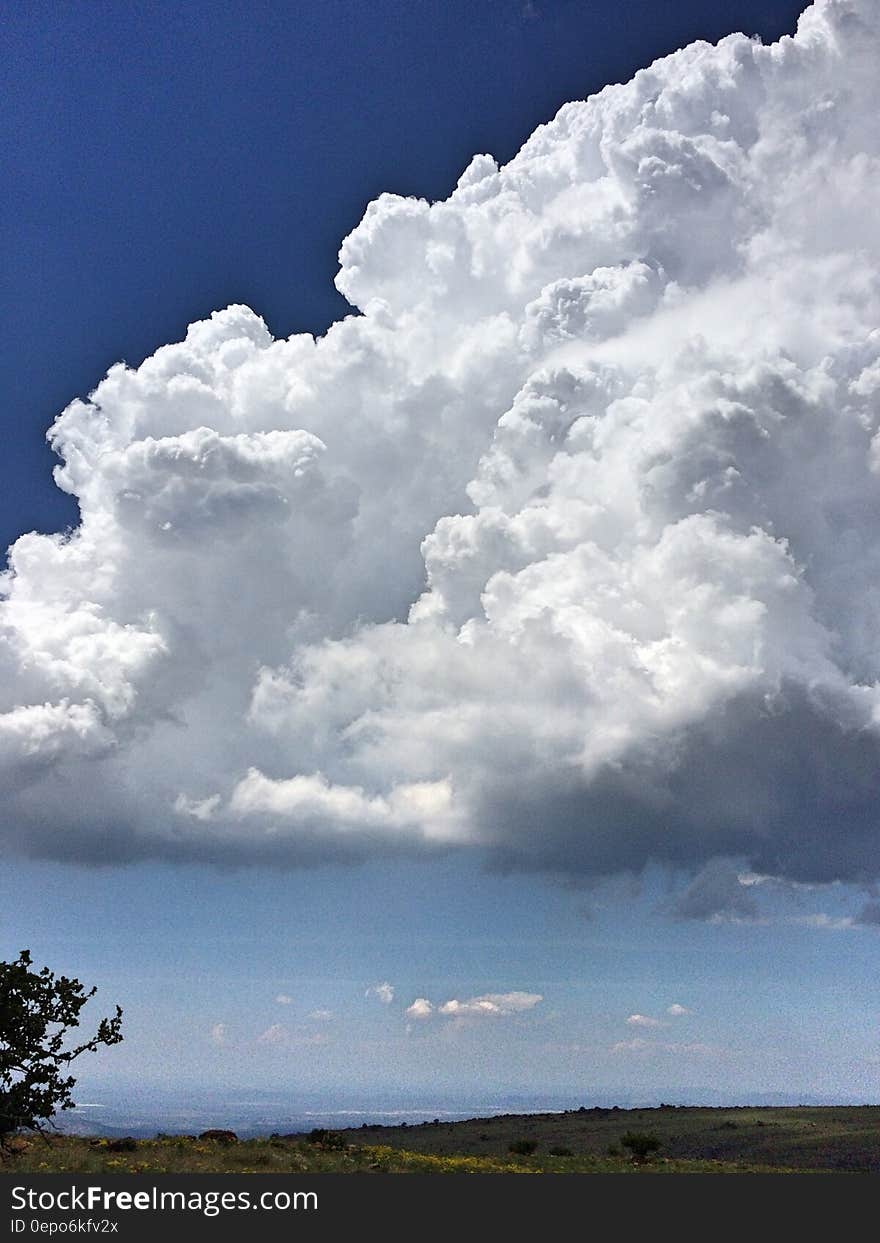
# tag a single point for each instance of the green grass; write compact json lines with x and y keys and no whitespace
{"x":717,"y":1141}
{"x":264,"y":1156}
{"x":841,"y":1138}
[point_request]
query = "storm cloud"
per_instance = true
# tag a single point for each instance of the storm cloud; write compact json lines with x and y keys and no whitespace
{"x":565,"y":547}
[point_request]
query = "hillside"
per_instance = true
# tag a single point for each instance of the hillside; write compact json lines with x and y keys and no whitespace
{"x":692,"y":1140}
{"x":802,"y":1137}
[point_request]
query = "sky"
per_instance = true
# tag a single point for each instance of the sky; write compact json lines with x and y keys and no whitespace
{"x":438,"y":650}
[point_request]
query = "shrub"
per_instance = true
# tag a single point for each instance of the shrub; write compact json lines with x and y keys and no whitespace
{"x":640,"y":1143}
{"x":559,"y":1150}
{"x":327,"y":1139}
{"x":523,"y":1147}
{"x":219,"y":1136}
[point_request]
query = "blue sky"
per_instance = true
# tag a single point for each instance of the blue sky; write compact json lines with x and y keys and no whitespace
{"x":240,"y":844}
{"x":781,"y":1006}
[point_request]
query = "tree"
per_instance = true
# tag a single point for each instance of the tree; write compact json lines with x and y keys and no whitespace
{"x":37,"y":1010}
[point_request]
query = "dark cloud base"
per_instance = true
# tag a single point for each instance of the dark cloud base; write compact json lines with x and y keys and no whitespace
{"x":782,"y":786}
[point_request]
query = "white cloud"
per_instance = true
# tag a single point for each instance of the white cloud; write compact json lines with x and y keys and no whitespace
{"x":274,"y":1035}
{"x":490,"y":1005}
{"x":637,"y":1045}
{"x":676,"y":1010}
{"x":641,"y":1046}
{"x":487,"y":1006}
{"x":280,"y":1037}
{"x":320,"y":1016}
{"x":643,"y":1020}
{"x":284,"y":1000}
{"x":312,"y":801}
{"x":825,"y":922}
{"x":565,"y":548}
{"x":384,"y":992}
{"x":218,"y":1033}
{"x":199,"y":809}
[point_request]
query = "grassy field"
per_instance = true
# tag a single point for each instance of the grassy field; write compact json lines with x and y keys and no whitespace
{"x":808,"y":1138}
{"x":718,"y":1141}
{"x":282,"y":1156}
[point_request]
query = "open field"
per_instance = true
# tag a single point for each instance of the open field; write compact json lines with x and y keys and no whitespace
{"x":692,"y":1140}
{"x":188,"y":1155}
{"x":802,"y":1137}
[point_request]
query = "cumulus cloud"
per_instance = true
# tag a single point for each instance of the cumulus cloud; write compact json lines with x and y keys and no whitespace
{"x":218,"y":1033}
{"x":564,"y":547}
{"x":677,"y":1010}
{"x":320,"y":1016}
{"x":489,"y":1005}
{"x":644,"y":1020}
{"x":283,"y":999}
{"x":384,"y":992}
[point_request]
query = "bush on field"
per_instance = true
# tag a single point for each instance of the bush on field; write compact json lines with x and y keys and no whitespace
{"x":327,"y":1139}
{"x":523,"y":1147}
{"x":640,"y":1143}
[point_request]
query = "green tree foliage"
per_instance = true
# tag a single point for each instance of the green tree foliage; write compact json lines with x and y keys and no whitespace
{"x":37,"y":1010}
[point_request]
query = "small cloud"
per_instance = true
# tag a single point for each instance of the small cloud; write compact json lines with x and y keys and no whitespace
{"x":321,"y":1016}
{"x":218,"y":1033}
{"x":197,"y":809}
{"x":869,"y":915}
{"x":491,"y":1004}
{"x":643,"y":1020}
{"x":750,"y":879}
{"x":314,"y":1039}
{"x":784,"y":883}
{"x":283,"y":1000}
{"x":717,"y":893}
{"x":830,"y":923}
{"x":279,"y":1037}
{"x":384,"y":991}
{"x":640,"y":1045}
{"x":421,"y":1008}
{"x":636,"y":1045}
{"x":276,"y":1034}
{"x":676,"y":1010}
